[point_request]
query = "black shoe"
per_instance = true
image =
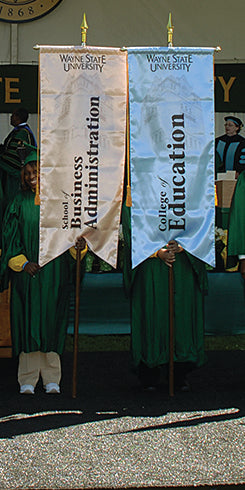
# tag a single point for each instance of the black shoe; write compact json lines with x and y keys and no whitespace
{"x":181,"y":369}
{"x":149,"y":378}
{"x":185,"y":387}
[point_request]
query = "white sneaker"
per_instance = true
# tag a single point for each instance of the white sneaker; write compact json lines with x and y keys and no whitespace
{"x":52,"y":388}
{"x":27,"y":390}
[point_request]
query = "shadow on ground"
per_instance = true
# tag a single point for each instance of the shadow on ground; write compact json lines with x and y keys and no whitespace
{"x":108,"y":388}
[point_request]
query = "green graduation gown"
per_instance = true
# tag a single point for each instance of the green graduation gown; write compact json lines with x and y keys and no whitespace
{"x":39,"y":306}
{"x":147,"y":286}
{"x":236,"y":226}
{"x":1,"y":211}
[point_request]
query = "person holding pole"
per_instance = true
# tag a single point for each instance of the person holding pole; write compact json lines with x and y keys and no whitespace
{"x":148,"y":285}
{"x":39,"y":296}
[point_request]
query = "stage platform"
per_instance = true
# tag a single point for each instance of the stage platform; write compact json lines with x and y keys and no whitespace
{"x":105,"y":310}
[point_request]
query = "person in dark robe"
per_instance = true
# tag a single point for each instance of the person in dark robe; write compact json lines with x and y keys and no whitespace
{"x":230,"y":147}
{"x":10,"y":160}
{"x":39,"y":295}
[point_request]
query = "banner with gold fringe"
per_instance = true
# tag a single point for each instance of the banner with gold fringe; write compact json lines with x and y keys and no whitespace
{"x":83,"y":94}
{"x":171,"y":101}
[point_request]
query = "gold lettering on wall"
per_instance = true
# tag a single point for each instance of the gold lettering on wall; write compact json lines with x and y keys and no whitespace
{"x":226,"y":86}
{"x":10,"y":90}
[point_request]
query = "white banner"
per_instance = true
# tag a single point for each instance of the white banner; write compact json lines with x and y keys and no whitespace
{"x":83,"y":119}
{"x":171,"y":97}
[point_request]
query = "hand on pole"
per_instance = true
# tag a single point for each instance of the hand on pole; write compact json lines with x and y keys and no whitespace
{"x":80,"y":242}
{"x":168,"y":256}
{"x":173,"y":246}
{"x":32,"y":268}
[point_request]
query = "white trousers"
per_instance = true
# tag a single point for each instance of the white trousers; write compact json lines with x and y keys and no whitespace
{"x":34,"y":364}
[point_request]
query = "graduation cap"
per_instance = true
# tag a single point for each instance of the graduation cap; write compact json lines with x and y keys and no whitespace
{"x":234,"y":119}
{"x":27,"y":153}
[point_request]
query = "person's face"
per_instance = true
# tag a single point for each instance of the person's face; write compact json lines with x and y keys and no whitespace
{"x":30,"y":176}
{"x":14,"y":120}
{"x":231,"y":128}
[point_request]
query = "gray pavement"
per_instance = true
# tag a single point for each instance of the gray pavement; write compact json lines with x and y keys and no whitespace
{"x":115,"y":435}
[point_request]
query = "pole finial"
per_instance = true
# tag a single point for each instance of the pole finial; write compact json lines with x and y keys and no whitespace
{"x":170,"y":29}
{"x":84,"y":28}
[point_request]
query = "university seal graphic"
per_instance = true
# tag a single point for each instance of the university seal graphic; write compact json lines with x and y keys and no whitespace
{"x":16,"y":11}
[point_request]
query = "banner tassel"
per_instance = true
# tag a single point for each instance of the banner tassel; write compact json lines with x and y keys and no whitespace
{"x":128,"y":197}
{"x":37,"y":195}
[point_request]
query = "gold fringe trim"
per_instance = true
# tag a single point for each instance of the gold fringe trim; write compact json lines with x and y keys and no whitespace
{"x":37,"y":196}
{"x":128,"y":196}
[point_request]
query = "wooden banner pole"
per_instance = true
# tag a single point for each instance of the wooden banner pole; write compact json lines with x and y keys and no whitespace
{"x":171,"y":329}
{"x":84,"y":28}
{"x":76,"y":324}
{"x":170,"y":29}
